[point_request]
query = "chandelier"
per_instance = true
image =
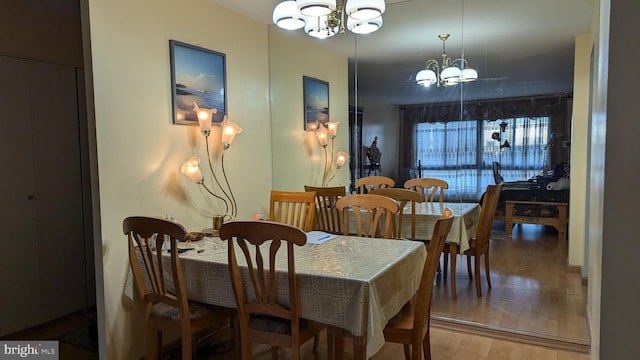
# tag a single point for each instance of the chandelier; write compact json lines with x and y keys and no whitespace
{"x":449,"y":73}
{"x":325,"y":18}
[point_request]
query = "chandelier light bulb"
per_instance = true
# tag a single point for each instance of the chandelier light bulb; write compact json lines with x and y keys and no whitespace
{"x":364,"y":26}
{"x":325,"y":18}
{"x":287,"y":16}
{"x":426,"y":78}
{"x":316,"y":7}
{"x":449,"y":73}
{"x":365,"y":9}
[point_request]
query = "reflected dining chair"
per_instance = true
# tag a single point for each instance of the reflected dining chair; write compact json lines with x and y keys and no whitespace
{"x":431,"y":188}
{"x":368,"y":183}
{"x":367,"y":211}
{"x":479,"y":244}
{"x":264,"y":316}
{"x":296,"y":208}
{"x":327,"y":217}
{"x":161,"y":286}
{"x":411,"y":325}
{"x":402,"y":197}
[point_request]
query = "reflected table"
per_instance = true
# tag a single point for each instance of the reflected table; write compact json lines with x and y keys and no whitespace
{"x":356,"y":284}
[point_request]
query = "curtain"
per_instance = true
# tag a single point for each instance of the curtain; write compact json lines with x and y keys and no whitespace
{"x":459,"y":143}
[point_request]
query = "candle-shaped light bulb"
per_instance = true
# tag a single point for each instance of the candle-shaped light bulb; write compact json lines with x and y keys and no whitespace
{"x":191,"y":168}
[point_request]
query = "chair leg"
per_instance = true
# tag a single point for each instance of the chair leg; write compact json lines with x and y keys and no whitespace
{"x":469,"y":267}
{"x":407,"y":352}
{"x":445,"y":265}
{"x":153,"y":342}
{"x":477,"y":271}
{"x":316,"y":341}
{"x":274,"y":353}
{"x":426,"y":342}
{"x":487,"y":268}
{"x":454,"y":255}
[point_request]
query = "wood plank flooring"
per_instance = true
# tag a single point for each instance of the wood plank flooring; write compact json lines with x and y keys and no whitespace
{"x":532,"y":291}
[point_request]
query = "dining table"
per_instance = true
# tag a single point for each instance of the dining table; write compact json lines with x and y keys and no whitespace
{"x":351,"y":283}
{"x":465,"y":221}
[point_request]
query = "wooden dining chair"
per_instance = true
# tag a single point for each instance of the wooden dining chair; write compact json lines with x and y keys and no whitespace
{"x":296,"y":208}
{"x":367,"y":211}
{"x":327,"y":216}
{"x":367,"y":183}
{"x":402,"y":197}
{"x":431,"y":188}
{"x":264,"y":316}
{"x":411,"y":325}
{"x":479,"y":244}
{"x":161,"y":286}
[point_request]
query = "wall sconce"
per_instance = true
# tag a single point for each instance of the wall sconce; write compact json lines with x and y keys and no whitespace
{"x":323,"y":133}
{"x":191,"y":168}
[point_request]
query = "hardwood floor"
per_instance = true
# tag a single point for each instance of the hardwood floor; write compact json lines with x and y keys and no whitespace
{"x":532,"y":291}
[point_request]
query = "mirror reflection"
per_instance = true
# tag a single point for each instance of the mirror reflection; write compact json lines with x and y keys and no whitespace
{"x":511,"y":125}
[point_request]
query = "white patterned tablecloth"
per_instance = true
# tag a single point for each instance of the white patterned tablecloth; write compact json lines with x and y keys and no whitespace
{"x":354,"y":283}
{"x":464,"y":226}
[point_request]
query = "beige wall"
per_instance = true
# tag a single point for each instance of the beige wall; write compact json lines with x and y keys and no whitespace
{"x":140,"y":151}
{"x":298,"y":159}
{"x":579,"y":148}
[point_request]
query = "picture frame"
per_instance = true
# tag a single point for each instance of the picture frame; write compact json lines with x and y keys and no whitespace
{"x":316,"y":102}
{"x":197,"y":75}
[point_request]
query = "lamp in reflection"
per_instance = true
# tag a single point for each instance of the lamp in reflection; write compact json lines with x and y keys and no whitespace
{"x":218,"y":186}
{"x":325,"y":18}
{"x":324,"y":132}
{"x":448,"y":73}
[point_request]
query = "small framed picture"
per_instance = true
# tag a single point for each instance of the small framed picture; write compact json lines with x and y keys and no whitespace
{"x":197,"y":75}
{"x":316,"y":102}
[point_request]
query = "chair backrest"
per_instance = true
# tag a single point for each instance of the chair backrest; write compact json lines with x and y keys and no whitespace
{"x":487,"y":212}
{"x":146,"y":239}
{"x":296,"y":208}
{"x":402,"y":197}
{"x":368,"y":183}
{"x":436,"y":244}
{"x":496,"y":167}
{"x":371,"y":207}
{"x":431,"y":188}
{"x":260,"y":242}
{"x":327,"y":216}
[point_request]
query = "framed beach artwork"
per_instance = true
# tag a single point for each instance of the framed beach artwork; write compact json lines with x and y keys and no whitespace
{"x":197,"y":75}
{"x":316,"y":102}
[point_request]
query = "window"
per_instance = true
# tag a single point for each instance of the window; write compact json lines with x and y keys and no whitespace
{"x":461,"y":152}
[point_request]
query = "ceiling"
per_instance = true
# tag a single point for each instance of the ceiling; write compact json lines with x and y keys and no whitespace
{"x":518,"y":47}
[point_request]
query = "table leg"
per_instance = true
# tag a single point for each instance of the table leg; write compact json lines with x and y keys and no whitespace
{"x":508,"y":219}
{"x":453,"y":251}
{"x":360,"y":347}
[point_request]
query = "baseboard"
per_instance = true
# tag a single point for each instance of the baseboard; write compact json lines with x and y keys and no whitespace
{"x":576,"y":269}
{"x":579,"y":346}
